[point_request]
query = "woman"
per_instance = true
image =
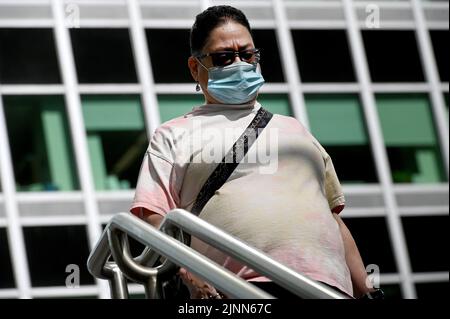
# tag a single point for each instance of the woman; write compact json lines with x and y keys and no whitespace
{"x":288,"y":210}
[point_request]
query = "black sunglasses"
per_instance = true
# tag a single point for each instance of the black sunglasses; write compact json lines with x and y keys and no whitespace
{"x":224,"y":58}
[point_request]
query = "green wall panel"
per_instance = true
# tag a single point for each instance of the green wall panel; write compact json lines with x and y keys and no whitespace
{"x":57,"y":146}
{"x":276,"y":103}
{"x":112,"y":112}
{"x":406,"y":120}
{"x":172,"y":106}
{"x":336,"y":119}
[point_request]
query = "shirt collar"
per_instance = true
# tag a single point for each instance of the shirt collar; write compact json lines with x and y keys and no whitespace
{"x":208,"y":108}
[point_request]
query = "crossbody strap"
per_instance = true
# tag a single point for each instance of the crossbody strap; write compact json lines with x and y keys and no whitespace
{"x":232,"y":159}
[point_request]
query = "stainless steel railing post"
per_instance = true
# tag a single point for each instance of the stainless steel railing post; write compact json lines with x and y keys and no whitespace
{"x":117,"y":283}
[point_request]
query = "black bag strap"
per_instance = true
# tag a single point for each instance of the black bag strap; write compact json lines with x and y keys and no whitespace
{"x":232,"y":159}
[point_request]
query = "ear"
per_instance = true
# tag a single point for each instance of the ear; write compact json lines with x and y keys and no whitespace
{"x":193,"y":67}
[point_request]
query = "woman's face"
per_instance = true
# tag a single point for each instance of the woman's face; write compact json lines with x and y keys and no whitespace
{"x":230,"y":36}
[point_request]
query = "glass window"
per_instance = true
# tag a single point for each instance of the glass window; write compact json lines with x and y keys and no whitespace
{"x":28,"y":56}
{"x":51,"y":249}
{"x":439,"y":39}
{"x":372,"y":238}
{"x":116,"y":139}
{"x":426,"y":239}
{"x":337,"y":121}
{"x":172,"y":106}
{"x":323,"y":56}
{"x":6,"y":272}
{"x":169,"y":52}
{"x":40,"y":143}
{"x":276,"y":103}
{"x":270,"y":62}
{"x":103,"y":55}
{"x":392,"y":56}
{"x":410,"y":138}
{"x":432,"y":290}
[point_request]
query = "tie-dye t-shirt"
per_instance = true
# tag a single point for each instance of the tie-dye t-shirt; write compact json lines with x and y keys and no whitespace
{"x":279,"y":199}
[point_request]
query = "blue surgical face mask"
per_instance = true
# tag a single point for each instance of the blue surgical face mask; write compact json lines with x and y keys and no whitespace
{"x":237,"y":83}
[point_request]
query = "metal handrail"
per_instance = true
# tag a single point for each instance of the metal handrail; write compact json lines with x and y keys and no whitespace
{"x":166,"y":246}
{"x":254,"y":258}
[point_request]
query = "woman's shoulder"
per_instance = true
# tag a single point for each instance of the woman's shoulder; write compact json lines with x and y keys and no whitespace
{"x":167,"y":135}
{"x":289,"y":124}
{"x":169,"y":127}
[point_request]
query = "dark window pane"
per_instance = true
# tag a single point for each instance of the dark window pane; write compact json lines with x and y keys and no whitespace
{"x":103,"y":56}
{"x":337,"y":121}
{"x":28,"y":56}
{"x":426,"y":238}
{"x":433,"y":290}
{"x":439,"y":39}
{"x":270,"y":62}
{"x":169,"y":52}
{"x":323,"y":56}
{"x":392,"y":291}
{"x":40,"y":143}
{"x":392,"y":56}
{"x":415,"y":164}
{"x":51,"y":249}
{"x":347,"y":160}
{"x":372,"y":238}
{"x":6,"y":272}
{"x":116,"y":137}
{"x":136,"y":248}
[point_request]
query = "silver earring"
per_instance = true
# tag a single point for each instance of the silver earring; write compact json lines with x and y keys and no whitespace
{"x":197,"y":87}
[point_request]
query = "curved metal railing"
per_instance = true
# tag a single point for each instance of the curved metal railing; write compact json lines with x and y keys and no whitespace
{"x":161,"y":242}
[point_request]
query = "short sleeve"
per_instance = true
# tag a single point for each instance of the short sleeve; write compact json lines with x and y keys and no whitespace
{"x":333,"y":187}
{"x":156,"y":188}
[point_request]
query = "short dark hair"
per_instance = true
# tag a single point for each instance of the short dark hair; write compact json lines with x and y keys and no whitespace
{"x":210,"y":19}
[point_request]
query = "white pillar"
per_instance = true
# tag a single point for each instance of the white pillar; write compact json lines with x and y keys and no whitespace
{"x":378,"y":148}
{"x":289,"y":63}
{"x":432,"y":77}
{"x":144,"y":68}
{"x":16,"y":241}
{"x":77,"y":128}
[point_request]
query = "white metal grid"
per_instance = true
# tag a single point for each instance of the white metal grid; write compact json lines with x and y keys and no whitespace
{"x":15,"y":235}
{"x":379,"y":150}
{"x":415,"y":15}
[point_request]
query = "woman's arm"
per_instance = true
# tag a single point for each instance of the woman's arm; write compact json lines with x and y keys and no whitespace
{"x":152,"y":218}
{"x":354,"y":260}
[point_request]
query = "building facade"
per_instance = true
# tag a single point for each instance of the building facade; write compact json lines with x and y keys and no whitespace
{"x":83,"y":84}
